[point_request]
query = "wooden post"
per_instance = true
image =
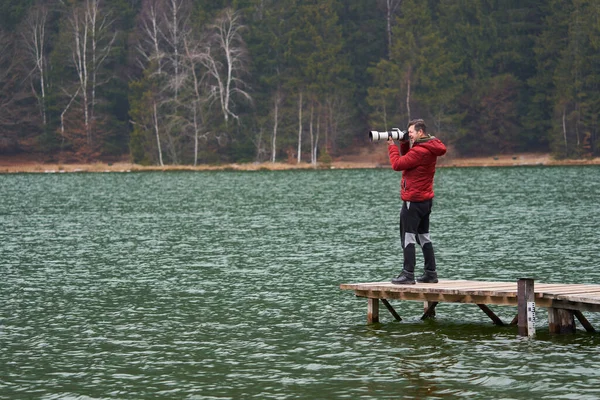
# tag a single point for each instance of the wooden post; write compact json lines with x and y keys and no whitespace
{"x":561,"y":320}
{"x":526,"y":307}
{"x":373,"y":311}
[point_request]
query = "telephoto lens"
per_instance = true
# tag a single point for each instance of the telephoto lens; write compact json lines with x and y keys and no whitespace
{"x":395,"y":134}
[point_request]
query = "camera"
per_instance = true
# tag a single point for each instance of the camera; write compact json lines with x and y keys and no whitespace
{"x":395,"y":134}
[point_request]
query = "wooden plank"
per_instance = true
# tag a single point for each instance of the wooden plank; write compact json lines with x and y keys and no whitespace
{"x":568,"y":305}
{"x":567,"y":285}
{"x":566,"y":290}
{"x":439,"y":297}
{"x":580,"y":298}
{"x":446,"y":285}
{"x":498,"y":290}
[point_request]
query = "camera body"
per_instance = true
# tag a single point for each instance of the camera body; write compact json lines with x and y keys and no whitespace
{"x":395,"y":134}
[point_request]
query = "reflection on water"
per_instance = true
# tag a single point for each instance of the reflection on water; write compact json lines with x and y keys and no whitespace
{"x":226,"y":285}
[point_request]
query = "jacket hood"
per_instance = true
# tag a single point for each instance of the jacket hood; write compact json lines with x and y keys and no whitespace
{"x":433,"y":144}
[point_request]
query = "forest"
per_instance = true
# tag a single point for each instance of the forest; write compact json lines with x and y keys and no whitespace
{"x":187,"y":82}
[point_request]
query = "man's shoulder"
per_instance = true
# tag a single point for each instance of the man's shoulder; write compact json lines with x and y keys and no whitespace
{"x":432,"y":145}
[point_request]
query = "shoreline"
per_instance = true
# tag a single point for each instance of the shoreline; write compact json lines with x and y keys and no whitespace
{"x":9,"y":166}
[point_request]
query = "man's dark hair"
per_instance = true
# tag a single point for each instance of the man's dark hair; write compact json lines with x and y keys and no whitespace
{"x":419,"y":125}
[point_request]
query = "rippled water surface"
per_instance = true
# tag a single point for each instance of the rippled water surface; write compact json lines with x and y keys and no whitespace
{"x":225,"y":285}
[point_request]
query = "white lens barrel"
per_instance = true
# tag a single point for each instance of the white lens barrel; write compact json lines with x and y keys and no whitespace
{"x":375,"y":136}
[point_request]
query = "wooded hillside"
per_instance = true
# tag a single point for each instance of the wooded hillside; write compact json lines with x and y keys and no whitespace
{"x":207,"y":81}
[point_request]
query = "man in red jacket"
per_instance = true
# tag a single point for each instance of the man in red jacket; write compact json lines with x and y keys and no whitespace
{"x":417,"y":163}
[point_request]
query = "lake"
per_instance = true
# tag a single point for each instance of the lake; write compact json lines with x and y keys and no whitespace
{"x":225,"y":285}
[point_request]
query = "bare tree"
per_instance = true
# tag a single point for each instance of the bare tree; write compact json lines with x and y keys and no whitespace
{"x":225,"y":60}
{"x":189,"y":73}
{"x":151,"y":59}
{"x":34,"y":38}
{"x":66,"y":109}
{"x":314,"y":138}
{"x":164,"y":29}
{"x":8,"y":85}
{"x":19,"y":119}
{"x":149,"y":46}
{"x":198,"y":97}
{"x":299,"y":157}
{"x":92,"y":43}
{"x":176,"y":29}
{"x":390,"y":7}
{"x":338,"y":117}
{"x":277,"y":101}
{"x":261,"y":151}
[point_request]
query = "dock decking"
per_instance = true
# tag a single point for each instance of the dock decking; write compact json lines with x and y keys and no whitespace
{"x":563,"y":301}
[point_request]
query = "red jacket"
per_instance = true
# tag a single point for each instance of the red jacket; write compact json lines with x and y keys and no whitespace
{"x":418,"y":167}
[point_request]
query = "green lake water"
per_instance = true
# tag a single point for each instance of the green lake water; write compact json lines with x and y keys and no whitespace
{"x":225,"y":285}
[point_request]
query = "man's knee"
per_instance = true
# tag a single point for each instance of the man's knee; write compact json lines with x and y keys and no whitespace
{"x":409,"y":239}
{"x":424,"y":238}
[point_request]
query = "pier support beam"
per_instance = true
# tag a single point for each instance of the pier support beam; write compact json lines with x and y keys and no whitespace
{"x":373,"y":311}
{"x":583,"y":320}
{"x":391,"y":309}
{"x":526,"y":307}
{"x":429,"y":309}
{"x":491,"y":314}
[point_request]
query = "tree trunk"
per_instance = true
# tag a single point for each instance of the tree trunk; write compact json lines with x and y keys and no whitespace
{"x":196,"y":129}
{"x":80,"y":36}
{"x":578,"y":116}
{"x":299,"y":157}
{"x":390,"y":10}
{"x":62,"y":115}
{"x":89,"y":30}
{"x":275,"y":121}
{"x":389,"y":28}
{"x":160,"y":159}
{"x":385,"y":123}
{"x":315,"y":148}
{"x":259,"y":149}
{"x":564,"y":128}
{"x":231,"y":47}
{"x":35,"y":41}
{"x":312,"y":137}
{"x":408,"y":96}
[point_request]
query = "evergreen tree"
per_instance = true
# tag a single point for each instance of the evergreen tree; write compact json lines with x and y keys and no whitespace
{"x":490,"y":75}
{"x":568,"y":70}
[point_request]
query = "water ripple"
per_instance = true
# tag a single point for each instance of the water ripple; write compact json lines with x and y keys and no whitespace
{"x":225,"y":285}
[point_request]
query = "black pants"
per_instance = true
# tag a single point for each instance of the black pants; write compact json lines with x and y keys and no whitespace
{"x":414,"y":228}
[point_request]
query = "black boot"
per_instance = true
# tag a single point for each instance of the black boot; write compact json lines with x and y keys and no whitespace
{"x":405,"y":278}
{"x":428,"y":277}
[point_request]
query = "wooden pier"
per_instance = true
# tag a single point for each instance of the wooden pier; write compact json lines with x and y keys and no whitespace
{"x":564,"y":302}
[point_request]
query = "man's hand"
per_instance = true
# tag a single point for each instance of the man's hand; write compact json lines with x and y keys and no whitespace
{"x":391,"y":142}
